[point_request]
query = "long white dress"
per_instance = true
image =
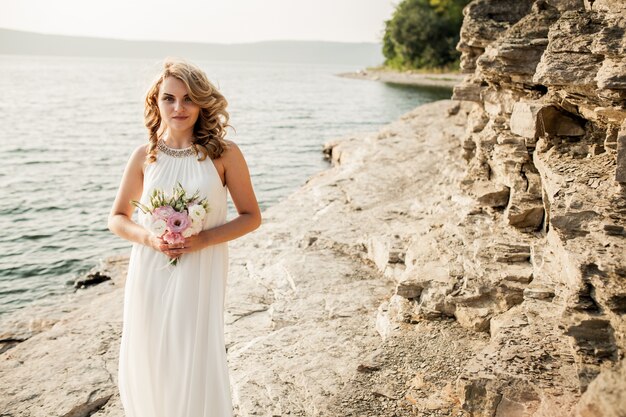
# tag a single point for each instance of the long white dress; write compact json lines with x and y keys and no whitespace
{"x":172,"y":353}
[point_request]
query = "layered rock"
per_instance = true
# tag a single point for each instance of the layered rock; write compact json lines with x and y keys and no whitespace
{"x":546,"y":150}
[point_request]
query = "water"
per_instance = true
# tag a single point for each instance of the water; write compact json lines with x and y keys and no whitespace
{"x":70,"y":124}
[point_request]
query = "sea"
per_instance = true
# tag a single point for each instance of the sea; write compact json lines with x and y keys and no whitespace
{"x":69,"y":124}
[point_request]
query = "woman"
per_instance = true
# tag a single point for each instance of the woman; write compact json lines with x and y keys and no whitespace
{"x":172,"y":355}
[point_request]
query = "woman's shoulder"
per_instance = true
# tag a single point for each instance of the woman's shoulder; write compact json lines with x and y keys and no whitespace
{"x":138,"y":156}
{"x":232,"y":157}
{"x":141,"y":150}
{"x":229,"y":143}
{"x":230,"y":150}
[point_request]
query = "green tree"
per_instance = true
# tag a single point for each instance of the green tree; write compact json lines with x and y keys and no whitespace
{"x":423,"y":34}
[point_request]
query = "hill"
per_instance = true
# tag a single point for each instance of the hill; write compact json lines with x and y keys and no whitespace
{"x":14,"y":42}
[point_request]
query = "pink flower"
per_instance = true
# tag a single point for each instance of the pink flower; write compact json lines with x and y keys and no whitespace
{"x":163,"y":212}
{"x":177,"y":222}
{"x":173,"y":238}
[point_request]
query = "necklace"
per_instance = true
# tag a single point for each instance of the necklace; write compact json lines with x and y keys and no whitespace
{"x":176,"y":153}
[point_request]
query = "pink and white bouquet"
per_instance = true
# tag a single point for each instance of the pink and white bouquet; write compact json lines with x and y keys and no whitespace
{"x":174,"y":217}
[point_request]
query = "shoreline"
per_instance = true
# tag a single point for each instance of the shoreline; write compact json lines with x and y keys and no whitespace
{"x":20,"y":325}
{"x":407,"y":78}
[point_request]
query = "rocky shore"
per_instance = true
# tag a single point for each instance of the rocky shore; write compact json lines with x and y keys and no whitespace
{"x":467,"y":259}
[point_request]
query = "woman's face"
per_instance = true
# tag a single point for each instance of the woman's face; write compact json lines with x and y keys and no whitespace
{"x":177,"y":109}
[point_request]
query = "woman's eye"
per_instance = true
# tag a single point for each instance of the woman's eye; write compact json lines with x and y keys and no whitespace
{"x":188,"y":99}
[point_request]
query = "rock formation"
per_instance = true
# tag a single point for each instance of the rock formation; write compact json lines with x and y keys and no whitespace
{"x":546,"y":149}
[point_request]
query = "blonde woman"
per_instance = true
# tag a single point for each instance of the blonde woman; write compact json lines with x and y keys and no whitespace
{"x":172,"y":355}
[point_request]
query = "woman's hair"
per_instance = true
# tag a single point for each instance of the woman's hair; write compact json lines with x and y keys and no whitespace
{"x":210,"y":128}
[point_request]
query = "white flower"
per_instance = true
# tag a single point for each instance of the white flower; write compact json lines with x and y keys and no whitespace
{"x":157,"y":226}
{"x":188,"y":232}
{"x":193,"y":229}
{"x":197,"y":212}
{"x":196,"y":223}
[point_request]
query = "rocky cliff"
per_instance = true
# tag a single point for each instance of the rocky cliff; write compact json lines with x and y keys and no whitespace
{"x":543,"y":269}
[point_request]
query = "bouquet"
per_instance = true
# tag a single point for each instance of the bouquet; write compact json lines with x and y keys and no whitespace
{"x":174,"y":217}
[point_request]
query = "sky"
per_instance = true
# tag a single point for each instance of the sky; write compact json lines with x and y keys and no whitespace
{"x":224,"y":21}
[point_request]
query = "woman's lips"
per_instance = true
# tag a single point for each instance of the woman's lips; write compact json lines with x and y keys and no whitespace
{"x":180,"y":117}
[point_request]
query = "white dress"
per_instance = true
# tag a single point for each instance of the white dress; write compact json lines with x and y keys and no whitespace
{"x":172,"y":353}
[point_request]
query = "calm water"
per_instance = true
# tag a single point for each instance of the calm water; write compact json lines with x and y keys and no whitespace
{"x":70,"y":124}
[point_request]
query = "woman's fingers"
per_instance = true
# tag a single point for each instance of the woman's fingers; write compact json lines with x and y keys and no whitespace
{"x":173,"y":250}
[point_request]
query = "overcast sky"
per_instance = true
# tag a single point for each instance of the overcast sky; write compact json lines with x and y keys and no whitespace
{"x":224,"y":21}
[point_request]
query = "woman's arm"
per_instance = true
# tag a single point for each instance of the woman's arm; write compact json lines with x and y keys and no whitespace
{"x":131,"y":188}
{"x":237,"y":178}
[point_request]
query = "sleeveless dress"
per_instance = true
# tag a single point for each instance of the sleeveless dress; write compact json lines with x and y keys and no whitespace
{"x":172,"y":353}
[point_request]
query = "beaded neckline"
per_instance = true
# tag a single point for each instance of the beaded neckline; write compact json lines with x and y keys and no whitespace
{"x":176,"y":153}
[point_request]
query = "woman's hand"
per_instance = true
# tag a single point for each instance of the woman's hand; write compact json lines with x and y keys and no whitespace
{"x":174,"y":250}
{"x":191,"y":244}
{"x":159,"y":245}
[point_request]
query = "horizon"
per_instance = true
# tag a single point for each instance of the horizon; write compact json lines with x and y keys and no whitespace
{"x":177,"y":41}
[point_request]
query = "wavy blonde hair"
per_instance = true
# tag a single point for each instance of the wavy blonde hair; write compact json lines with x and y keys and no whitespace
{"x":210,"y":128}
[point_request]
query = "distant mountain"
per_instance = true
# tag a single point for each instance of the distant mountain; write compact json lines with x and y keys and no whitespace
{"x":14,"y":42}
